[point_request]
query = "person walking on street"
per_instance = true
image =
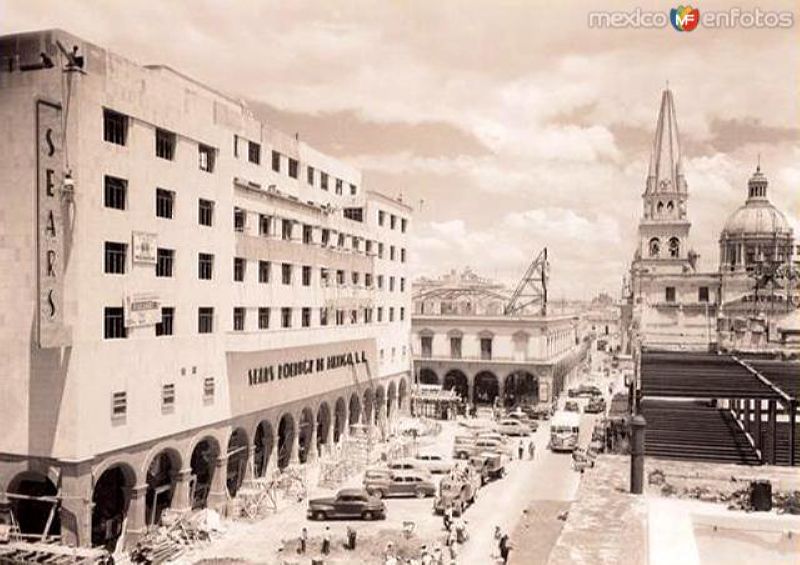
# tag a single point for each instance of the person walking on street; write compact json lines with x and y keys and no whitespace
{"x":531,"y":450}
{"x":505,"y":548}
{"x":326,"y":541}
{"x":303,"y":541}
{"x":520,"y":450}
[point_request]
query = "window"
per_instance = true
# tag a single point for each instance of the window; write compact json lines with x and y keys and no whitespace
{"x":293,"y":168}
{"x":340,"y":317}
{"x":115,"y":257}
{"x":276,"y":161}
{"x":381,"y":217}
{"x":239,"y":219}
{"x":380,"y":281}
{"x":205,"y":320}
{"x":323,"y":316}
{"x":403,"y":255}
{"x":391,"y":284}
{"x":455,"y":347}
{"x":368,"y":247}
{"x":286,"y":273}
{"x":165,"y":326}
{"x":674,"y":247}
{"x":306,"y":275}
{"x":326,"y":237}
{"x":310,"y":175}
{"x":205,"y":212}
{"x":308,"y":234}
{"x":368,"y":280}
{"x":367,"y":315}
{"x":286,"y":229}
{"x":339,"y":186}
{"x":115,"y":192}
{"x":115,"y":127}
{"x":403,"y":225}
{"x":206,"y":157}
{"x":263,"y":318}
{"x":165,"y":258}
{"x":306,"y":317}
{"x":380,"y":250}
{"x":264,"y":225}
{"x":119,"y":404}
{"x":114,"y":324}
{"x":323,"y":181}
{"x":670,"y":294}
{"x":253,"y":152}
{"x":340,"y":241}
{"x":205,"y":266}
{"x":426,"y":343}
{"x":286,"y":317}
{"x":486,"y":348}
{"x":356,"y":244}
{"x":235,"y":145}
{"x":340,"y":277}
{"x":208,"y":388}
{"x":353,"y":317}
{"x":402,"y":284}
{"x":380,"y":313}
{"x":353,"y":189}
{"x":165,"y":202}
{"x":263,"y":271}
{"x":702,"y":294}
{"x":402,"y":313}
{"x":165,"y":144}
{"x":239,"y":266}
{"x":355,"y":277}
{"x":324,"y":277}
{"x":391,"y":252}
{"x":391,"y":313}
{"x":168,"y":396}
{"x":392,"y":221}
{"x":238,"y":319}
{"x":654,"y":247}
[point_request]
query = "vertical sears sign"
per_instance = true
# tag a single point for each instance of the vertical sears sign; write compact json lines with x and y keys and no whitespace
{"x":50,"y":226}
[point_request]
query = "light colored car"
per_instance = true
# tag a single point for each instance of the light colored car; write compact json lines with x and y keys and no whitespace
{"x":401,"y":483}
{"x":513,"y":427}
{"x":434,"y":462}
{"x":407,"y":464}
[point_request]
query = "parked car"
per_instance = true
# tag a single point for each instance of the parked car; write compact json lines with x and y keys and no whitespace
{"x":434,"y":462}
{"x":513,"y":427}
{"x":584,"y":390}
{"x":596,"y":405}
{"x":489,"y":465}
{"x":408,"y":464}
{"x":571,"y":406}
{"x":348,"y":503}
{"x":518,"y":414}
{"x":400,"y":483}
{"x":457,"y":491}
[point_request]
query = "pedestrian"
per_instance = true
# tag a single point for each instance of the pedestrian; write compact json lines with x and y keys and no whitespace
{"x":531,"y":449}
{"x":505,"y":548}
{"x":303,"y":541}
{"x":520,"y":450}
{"x":326,"y":541}
{"x":448,"y":516}
{"x":351,"y":538}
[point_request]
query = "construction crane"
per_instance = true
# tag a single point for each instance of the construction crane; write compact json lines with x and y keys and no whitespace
{"x":532,"y":288}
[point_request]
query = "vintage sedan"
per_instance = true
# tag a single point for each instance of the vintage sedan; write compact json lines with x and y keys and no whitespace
{"x":513,"y":427}
{"x":401,"y":483}
{"x":434,"y":462}
{"x":348,"y":503}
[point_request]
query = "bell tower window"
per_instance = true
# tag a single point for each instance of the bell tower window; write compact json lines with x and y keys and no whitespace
{"x":655,"y":247}
{"x":674,"y":247}
{"x":660,"y":208}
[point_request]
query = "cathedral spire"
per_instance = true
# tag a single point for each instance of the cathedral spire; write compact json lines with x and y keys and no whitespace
{"x":665,"y":174}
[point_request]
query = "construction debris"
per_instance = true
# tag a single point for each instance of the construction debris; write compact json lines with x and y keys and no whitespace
{"x":177,"y":534}
{"x":24,"y":553}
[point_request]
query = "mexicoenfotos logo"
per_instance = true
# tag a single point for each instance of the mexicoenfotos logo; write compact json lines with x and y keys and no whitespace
{"x":684,"y":18}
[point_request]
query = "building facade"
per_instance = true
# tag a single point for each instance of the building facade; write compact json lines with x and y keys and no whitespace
{"x":461,"y":341}
{"x":189,"y":296}
{"x":749,"y":303}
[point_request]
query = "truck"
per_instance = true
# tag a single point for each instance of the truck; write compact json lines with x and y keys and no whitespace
{"x":457,"y":490}
{"x":489,"y":465}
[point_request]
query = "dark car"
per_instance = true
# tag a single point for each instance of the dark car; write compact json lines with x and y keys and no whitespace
{"x":584,"y":390}
{"x":348,"y":503}
{"x":596,"y":405}
{"x":571,"y":406}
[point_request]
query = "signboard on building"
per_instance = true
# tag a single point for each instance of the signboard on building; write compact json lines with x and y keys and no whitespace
{"x":142,"y":309}
{"x":144,"y":247}
{"x":51,"y":209}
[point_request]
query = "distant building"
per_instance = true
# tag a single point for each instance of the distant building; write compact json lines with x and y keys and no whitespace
{"x":749,"y":304}
{"x":461,"y":340}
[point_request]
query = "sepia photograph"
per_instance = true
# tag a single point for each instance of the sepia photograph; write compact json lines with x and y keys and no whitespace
{"x":399,"y":282}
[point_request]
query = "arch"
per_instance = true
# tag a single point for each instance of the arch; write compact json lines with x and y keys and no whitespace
{"x":654,"y":247}
{"x":674,"y":247}
{"x":402,"y":394}
{"x":670,"y":207}
{"x":455,"y":332}
{"x":457,"y":380}
{"x":238,"y":454}
{"x":355,"y":409}
{"x":203,"y":463}
{"x":486,"y":388}
{"x":339,"y":419}
{"x":369,"y":402}
{"x":161,"y":477}
{"x":304,"y":432}
{"x":380,"y":401}
{"x":521,"y":387}
{"x":391,"y":399}
{"x":286,"y":432}
{"x":111,"y":497}
{"x":32,"y":515}
{"x":263,"y":442}
{"x":660,"y":208}
{"x":428,"y":377}
{"x":323,"y":425}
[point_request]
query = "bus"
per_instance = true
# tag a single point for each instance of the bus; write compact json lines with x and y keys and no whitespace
{"x":564,"y":429}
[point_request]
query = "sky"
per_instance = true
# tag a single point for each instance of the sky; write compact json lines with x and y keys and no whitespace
{"x":507,"y":125}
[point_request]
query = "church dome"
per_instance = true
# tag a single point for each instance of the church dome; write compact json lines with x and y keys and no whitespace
{"x":757,"y":216}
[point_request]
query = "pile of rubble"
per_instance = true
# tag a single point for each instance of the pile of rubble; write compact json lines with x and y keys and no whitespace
{"x":178,"y":533}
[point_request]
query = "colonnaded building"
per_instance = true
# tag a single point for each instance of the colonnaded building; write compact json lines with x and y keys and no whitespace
{"x":465,"y":339}
{"x":750,"y":304}
{"x":188,"y":296}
